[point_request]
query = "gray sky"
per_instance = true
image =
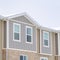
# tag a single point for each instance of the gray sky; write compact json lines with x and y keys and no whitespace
{"x":45,"y":12}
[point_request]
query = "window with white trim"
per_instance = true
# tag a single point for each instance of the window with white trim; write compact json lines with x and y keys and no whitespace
{"x":43,"y":58}
{"x":16,"y":32}
{"x":29,"y":34}
{"x":23,"y":57}
{"x":45,"y":39}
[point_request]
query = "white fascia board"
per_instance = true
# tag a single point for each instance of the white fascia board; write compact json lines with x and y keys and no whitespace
{"x":25,"y":15}
{"x":16,"y":15}
{"x":31,"y":20}
{"x":48,"y":29}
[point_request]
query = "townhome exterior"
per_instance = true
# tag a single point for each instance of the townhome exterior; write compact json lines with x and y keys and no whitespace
{"x":22,"y":38}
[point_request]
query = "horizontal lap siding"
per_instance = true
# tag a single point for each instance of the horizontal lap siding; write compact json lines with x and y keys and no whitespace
{"x":21,"y":45}
{"x":22,"y":19}
{"x":46,"y":50}
{"x":0,"y":40}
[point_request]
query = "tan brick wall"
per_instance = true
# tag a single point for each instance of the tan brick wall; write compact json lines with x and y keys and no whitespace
{"x":1,"y":37}
{"x":0,"y":40}
{"x":3,"y":54}
{"x":15,"y":55}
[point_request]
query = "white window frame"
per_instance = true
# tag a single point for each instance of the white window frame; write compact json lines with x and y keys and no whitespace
{"x":47,"y":39}
{"x":17,"y":32}
{"x":30,"y":35}
{"x":23,"y":56}
{"x":45,"y":58}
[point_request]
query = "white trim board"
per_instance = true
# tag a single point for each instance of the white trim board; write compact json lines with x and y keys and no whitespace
{"x":7,"y":34}
{"x":25,"y":15}
{"x":17,"y":32}
{"x":45,"y":54}
{"x":30,"y":35}
{"x":20,"y":50}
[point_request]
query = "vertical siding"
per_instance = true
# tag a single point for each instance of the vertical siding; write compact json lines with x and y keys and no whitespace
{"x":5,"y":34}
{"x":0,"y":40}
{"x":56,"y":57}
{"x":53,"y":43}
{"x":3,"y":54}
{"x":38,"y":40}
{"x":1,"y":37}
{"x":56,"y":43}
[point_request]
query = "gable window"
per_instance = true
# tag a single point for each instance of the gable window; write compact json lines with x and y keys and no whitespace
{"x":23,"y":57}
{"x":29,"y":34}
{"x":16,"y":32}
{"x":43,"y":58}
{"x":45,"y":39}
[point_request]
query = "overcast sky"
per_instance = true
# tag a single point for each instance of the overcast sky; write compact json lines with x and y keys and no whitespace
{"x":45,"y":12}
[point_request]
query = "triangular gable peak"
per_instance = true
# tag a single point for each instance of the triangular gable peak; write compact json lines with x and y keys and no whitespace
{"x":23,"y":17}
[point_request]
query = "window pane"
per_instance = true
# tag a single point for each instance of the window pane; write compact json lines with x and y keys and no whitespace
{"x":28,"y":38}
{"x":25,"y":58}
{"x":16,"y":36}
{"x":29,"y":31}
{"x":21,"y":57}
{"x":45,"y":36}
{"x":16,"y":28}
{"x":45,"y":59}
{"x":46,"y":42}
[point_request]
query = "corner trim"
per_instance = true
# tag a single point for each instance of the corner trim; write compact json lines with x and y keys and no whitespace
{"x":7,"y":33}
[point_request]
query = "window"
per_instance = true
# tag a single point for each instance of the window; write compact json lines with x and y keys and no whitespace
{"x":29,"y":34}
{"x":45,"y":39}
{"x":43,"y":58}
{"x":23,"y":57}
{"x":16,"y":32}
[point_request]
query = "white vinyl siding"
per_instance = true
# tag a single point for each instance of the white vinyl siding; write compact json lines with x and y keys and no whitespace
{"x":45,"y":39}
{"x":16,"y":32}
{"x":29,"y":34}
